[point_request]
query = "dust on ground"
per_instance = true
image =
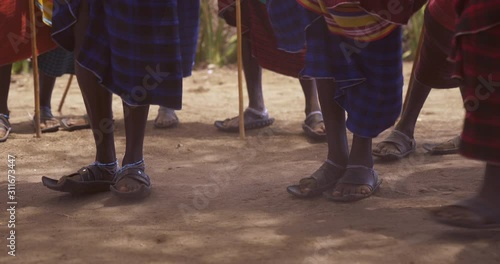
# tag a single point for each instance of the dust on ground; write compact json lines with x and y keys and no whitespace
{"x":219,"y":199}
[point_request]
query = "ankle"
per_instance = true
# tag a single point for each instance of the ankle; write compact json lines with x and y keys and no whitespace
{"x":407,"y":130}
{"x":491,"y":184}
{"x":137,"y":164}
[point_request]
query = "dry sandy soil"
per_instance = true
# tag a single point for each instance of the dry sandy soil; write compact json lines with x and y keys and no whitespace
{"x":219,"y":199}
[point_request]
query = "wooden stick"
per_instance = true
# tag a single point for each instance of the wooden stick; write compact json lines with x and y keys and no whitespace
{"x":38,"y":130}
{"x":415,"y":63}
{"x":65,"y":93}
{"x":240,"y":69}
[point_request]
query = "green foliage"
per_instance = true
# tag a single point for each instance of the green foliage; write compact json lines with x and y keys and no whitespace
{"x":217,"y":43}
{"x":21,"y":67}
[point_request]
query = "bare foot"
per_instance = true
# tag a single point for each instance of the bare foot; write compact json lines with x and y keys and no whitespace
{"x":314,"y":126}
{"x":49,"y":125}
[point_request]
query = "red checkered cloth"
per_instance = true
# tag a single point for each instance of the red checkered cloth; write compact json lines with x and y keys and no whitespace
{"x":443,"y":12}
{"x":256,"y":26}
{"x":15,"y":32}
{"x":477,"y":56}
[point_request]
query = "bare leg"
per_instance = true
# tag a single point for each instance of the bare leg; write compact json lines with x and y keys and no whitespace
{"x":334,"y":116}
{"x":253,"y":77}
{"x":5,"y":72}
{"x":311,"y":96}
{"x":491,"y":186}
{"x":416,"y":100}
{"x":360,"y":156}
{"x":406,"y":124}
{"x":480,"y":211}
{"x":135,"y":129}
{"x":97,"y":99}
{"x":314,"y":119}
{"x":48,"y":120}
{"x":332,"y":170}
{"x":46,"y":87}
{"x":4,"y":95}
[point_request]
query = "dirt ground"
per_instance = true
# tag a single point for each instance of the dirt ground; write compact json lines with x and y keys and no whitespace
{"x":219,"y":199}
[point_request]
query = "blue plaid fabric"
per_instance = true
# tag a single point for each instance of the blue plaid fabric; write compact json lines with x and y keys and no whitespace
{"x":56,"y":62}
{"x":368,"y":75}
{"x":139,"y":50}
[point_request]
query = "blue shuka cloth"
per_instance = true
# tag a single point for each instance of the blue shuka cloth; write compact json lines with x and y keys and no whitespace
{"x":139,"y":50}
{"x":368,"y":75}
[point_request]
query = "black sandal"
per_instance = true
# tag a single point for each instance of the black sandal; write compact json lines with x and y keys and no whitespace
{"x":93,"y":179}
{"x":321,"y":180}
{"x":253,"y":120}
{"x":313,"y":119}
{"x":137,"y":174}
{"x":356,"y":175}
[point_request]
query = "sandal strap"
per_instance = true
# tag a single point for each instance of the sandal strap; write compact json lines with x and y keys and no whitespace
{"x":91,"y":173}
{"x":326,"y":173}
{"x":261,"y":114}
{"x":313,"y":114}
{"x":134,"y":173}
{"x":4,"y":121}
{"x":400,"y":140}
{"x":360,"y":175}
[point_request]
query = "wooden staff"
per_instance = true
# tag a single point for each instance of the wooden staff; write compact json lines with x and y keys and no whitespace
{"x":38,"y":131}
{"x":415,"y":63}
{"x":65,"y":93}
{"x":240,"y":69}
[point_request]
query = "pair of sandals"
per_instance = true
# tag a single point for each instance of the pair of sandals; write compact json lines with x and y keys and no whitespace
{"x":405,"y":145}
{"x":51,"y":124}
{"x":94,"y":179}
{"x":329,"y":175}
{"x":313,"y":125}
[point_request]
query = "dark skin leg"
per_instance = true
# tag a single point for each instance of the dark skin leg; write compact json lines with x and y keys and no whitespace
{"x":489,"y":192}
{"x":99,"y":108}
{"x":336,"y":137}
{"x":135,"y":129}
{"x":418,"y":96}
{"x":334,"y":116}
{"x":360,"y":155}
{"x":46,"y":87}
{"x":408,"y":121}
{"x":406,"y":124}
{"x":312,"y":103}
{"x":5,"y":71}
{"x":491,"y":186}
{"x":97,"y":99}
{"x":4,"y":93}
{"x":310,"y":95}
{"x":253,"y":79}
